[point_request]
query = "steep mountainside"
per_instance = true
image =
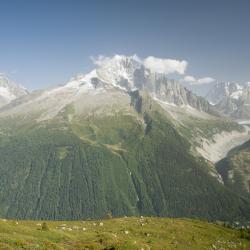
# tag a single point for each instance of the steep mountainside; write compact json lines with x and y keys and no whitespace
{"x":98,"y":145}
{"x":196,"y":118}
{"x":235,"y":169}
{"x":9,"y":90}
{"x":110,"y":159}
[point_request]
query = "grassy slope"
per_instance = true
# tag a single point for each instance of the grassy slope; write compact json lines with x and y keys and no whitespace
{"x":122,"y":233}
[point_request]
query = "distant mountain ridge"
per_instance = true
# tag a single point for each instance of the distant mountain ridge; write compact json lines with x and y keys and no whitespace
{"x":231,"y":99}
{"x":128,"y":74}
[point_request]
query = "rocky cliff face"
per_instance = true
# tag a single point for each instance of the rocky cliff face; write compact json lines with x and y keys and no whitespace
{"x":173,"y":92}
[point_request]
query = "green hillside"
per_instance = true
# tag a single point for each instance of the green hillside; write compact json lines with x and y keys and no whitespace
{"x":128,"y":163}
{"x":123,"y":234}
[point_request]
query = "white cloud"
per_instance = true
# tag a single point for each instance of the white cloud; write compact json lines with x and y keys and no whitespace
{"x":156,"y":65}
{"x":189,"y":79}
{"x":206,"y":80}
{"x":100,"y":60}
{"x":193,"y":81}
{"x":165,"y":66}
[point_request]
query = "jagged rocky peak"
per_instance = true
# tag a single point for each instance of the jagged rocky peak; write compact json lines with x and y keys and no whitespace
{"x":223,"y":90}
{"x":9,"y":90}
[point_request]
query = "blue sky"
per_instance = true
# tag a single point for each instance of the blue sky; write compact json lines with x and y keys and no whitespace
{"x":44,"y":43}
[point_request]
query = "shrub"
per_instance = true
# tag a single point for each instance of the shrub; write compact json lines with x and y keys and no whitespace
{"x":45,"y":226}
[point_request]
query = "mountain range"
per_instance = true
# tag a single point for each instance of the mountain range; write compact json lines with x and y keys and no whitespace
{"x":122,"y":140}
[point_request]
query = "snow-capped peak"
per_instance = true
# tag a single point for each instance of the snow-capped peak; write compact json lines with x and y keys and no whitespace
{"x":82,"y":80}
{"x":9,"y":90}
{"x":117,"y":71}
{"x":239,"y":87}
{"x":118,"y":68}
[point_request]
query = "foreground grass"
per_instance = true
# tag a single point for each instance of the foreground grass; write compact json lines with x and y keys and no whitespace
{"x":122,"y":233}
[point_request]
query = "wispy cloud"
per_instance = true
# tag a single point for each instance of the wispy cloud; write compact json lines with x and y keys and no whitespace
{"x":165,"y":66}
{"x":200,"y":81}
{"x":100,"y":60}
